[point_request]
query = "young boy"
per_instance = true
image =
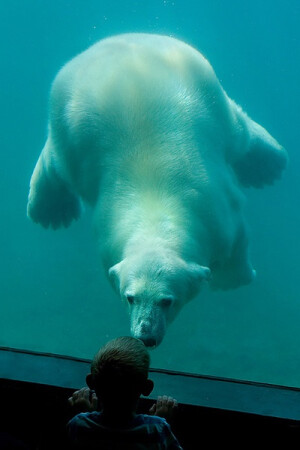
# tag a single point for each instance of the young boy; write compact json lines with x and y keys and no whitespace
{"x":119,"y":376}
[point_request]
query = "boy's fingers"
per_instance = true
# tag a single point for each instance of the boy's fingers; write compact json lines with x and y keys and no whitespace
{"x":94,"y":400}
{"x":159,"y":400}
{"x":152,"y":409}
{"x":173,"y":401}
{"x":86,"y":393}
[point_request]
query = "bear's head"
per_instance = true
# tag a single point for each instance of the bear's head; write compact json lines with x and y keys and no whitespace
{"x":155,"y":287}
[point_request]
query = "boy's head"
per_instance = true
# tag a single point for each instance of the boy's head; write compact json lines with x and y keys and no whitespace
{"x":119,"y":371}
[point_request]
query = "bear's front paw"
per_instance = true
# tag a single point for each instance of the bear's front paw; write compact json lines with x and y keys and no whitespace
{"x":53,"y":205}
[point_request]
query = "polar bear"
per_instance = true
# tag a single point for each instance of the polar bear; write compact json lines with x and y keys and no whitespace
{"x":141,"y":129}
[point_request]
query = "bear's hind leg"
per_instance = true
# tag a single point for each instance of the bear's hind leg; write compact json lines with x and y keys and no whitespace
{"x":263,"y":162}
{"x":50,"y":201}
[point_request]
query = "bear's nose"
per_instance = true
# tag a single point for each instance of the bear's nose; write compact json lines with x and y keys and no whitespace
{"x":149,"y":341}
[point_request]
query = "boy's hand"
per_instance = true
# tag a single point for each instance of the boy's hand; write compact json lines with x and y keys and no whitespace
{"x":164,"y":407}
{"x":83,"y":400}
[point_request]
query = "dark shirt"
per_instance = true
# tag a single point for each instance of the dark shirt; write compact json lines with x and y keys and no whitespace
{"x":87,"y":431}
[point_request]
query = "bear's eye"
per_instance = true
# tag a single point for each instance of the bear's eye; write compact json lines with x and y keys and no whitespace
{"x":130,"y":299}
{"x":166,"y":302}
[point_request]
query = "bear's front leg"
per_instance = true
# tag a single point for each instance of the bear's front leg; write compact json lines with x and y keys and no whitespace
{"x":237,"y":270}
{"x":50,"y":202}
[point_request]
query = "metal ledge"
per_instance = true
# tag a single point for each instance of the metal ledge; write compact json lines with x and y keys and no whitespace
{"x":209,"y":392}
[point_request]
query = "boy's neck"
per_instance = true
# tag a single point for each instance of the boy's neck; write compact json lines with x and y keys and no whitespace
{"x":116,"y":417}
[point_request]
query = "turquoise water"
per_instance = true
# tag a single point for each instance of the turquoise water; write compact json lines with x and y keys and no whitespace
{"x":54,"y":295}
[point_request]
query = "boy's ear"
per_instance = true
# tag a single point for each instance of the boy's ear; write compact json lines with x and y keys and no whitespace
{"x":148,"y":388}
{"x":90,"y":381}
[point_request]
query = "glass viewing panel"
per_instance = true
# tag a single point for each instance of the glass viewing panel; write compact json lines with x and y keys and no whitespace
{"x":55,"y":296}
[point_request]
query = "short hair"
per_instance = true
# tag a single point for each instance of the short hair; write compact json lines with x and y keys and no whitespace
{"x":122,"y":363}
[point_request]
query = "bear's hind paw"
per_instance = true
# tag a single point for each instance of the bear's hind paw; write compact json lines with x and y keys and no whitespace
{"x":259,"y":168}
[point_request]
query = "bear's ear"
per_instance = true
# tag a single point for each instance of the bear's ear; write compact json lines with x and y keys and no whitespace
{"x":201,"y":273}
{"x":114,"y":275}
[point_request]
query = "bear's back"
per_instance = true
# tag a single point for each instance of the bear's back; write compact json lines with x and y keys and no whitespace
{"x":135,"y":71}
{"x":137,"y":82}
{"x":141,"y":105}
{"x":141,"y":55}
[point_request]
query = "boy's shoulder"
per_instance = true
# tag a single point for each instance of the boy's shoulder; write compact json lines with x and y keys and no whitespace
{"x":148,"y":419}
{"x":140,"y":419}
{"x":84,"y":418}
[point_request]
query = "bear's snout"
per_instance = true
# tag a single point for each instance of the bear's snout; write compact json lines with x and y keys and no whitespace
{"x":149,"y":341}
{"x":147,"y":333}
{"x":150,"y":328}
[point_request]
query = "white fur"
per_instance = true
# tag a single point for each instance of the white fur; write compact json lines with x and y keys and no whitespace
{"x":141,"y":129}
